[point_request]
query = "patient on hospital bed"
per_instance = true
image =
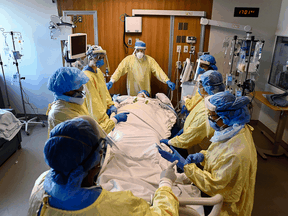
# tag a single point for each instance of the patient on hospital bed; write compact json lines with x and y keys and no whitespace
{"x":136,"y":163}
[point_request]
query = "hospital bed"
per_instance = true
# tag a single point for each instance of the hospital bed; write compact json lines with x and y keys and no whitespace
{"x":134,"y":163}
{"x":10,"y":134}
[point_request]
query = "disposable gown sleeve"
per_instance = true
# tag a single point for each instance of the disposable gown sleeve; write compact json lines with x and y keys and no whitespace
{"x":56,"y":117}
{"x":121,"y":70}
{"x":97,"y":112}
{"x":165,"y":202}
{"x":157,"y":71}
{"x":220,"y":180}
{"x":190,"y":103}
{"x":109,"y":100}
{"x":194,"y":134}
{"x":35,"y":199}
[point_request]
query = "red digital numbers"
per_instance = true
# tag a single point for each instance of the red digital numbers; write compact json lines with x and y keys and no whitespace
{"x":246,"y":12}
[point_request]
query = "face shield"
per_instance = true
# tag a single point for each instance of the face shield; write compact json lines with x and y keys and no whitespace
{"x":208,"y":108}
{"x":202,"y":67}
{"x":139,"y":53}
{"x":104,"y":139}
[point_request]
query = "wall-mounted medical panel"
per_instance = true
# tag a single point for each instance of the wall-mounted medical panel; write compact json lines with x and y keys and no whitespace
{"x":133,"y":24}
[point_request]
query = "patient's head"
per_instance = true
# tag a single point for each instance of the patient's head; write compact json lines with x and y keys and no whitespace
{"x":143,"y":94}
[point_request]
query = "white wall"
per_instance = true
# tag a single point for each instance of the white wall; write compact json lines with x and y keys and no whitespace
{"x":265,"y":27}
{"x":282,"y":27}
{"x":42,"y":55}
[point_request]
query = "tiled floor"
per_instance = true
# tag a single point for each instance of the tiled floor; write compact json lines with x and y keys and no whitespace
{"x":19,"y":172}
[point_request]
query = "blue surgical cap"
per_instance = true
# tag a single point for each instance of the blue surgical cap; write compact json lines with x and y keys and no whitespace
{"x":212,"y":82}
{"x":140,"y":45}
{"x":145,"y":92}
{"x":211,"y":60}
{"x":72,"y":143}
{"x":66,"y":79}
{"x":232,"y":110}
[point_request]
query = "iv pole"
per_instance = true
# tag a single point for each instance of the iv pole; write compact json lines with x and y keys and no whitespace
{"x":19,"y":78}
{"x":25,"y":121}
{"x":1,"y":63}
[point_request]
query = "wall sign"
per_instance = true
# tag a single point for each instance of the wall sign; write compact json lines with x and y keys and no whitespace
{"x":246,"y":12}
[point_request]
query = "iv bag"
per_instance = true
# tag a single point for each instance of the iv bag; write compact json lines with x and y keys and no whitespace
{"x":257,"y":52}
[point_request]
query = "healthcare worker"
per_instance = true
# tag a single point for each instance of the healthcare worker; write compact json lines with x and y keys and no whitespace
{"x":195,"y":128}
{"x":206,"y":62}
{"x":230,"y":162}
{"x":68,"y":188}
{"x":98,"y":101}
{"x":66,"y":83}
{"x":139,"y":68}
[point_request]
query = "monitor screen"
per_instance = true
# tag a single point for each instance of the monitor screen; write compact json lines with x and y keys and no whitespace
{"x":77,"y":45}
{"x":279,"y":69}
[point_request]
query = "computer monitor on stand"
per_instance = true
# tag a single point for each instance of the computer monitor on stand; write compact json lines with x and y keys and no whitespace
{"x":77,"y":47}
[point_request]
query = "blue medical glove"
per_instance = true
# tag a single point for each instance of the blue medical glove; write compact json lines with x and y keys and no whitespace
{"x":194,"y":158}
{"x":184,"y":110}
{"x":172,"y":157}
{"x":164,"y":141}
{"x":171,"y":85}
{"x":122,"y":117}
{"x":109,"y":85}
{"x":180,"y":132}
{"x":111,"y":109}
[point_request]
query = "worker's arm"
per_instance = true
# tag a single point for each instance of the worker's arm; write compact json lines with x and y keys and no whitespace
{"x":165,"y":202}
{"x":96,"y":108}
{"x":108,"y":96}
{"x":190,"y":103}
{"x":121,"y":70}
{"x":195,"y":133}
{"x":220,"y":180}
{"x":157,"y":70}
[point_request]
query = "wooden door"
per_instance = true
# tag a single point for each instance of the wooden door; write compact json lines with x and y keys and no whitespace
{"x":86,"y":26}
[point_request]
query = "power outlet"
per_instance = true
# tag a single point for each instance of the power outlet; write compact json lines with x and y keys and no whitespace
{"x":178,"y":48}
{"x":185,"y":49}
{"x":130,"y":41}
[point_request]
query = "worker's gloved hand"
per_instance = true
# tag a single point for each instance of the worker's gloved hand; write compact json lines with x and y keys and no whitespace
{"x":180,"y":132}
{"x":184,"y":110}
{"x":111,"y":110}
{"x":194,"y":158}
{"x":165,"y":141}
{"x":109,"y":85}
{"x":171,"y":85}
{"x":172,"y":157}
{"x":122,"y":117}
{"x":169,"y":174}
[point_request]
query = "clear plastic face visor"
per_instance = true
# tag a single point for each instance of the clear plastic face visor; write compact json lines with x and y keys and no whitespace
{"x":208,"y":107}
{"x":100,"y":132}
{"x":139,"y":50}
{"x":98,"y":57}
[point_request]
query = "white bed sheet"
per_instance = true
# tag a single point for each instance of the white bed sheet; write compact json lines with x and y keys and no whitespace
{"x":137,"y":164}
{"x":9,"y":125}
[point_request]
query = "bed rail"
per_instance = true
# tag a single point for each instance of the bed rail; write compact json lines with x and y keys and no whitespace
{"x":215,"y":201}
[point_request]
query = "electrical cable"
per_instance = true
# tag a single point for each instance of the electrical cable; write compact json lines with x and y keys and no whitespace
{"x":26,"y":101}
{"x":124,"y":42}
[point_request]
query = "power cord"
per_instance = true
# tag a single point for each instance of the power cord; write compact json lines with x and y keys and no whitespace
{"x":124,"y":42}
{"x":26,"y":101}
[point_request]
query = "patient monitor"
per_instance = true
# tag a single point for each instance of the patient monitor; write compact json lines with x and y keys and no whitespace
{"x":77,"y":45}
